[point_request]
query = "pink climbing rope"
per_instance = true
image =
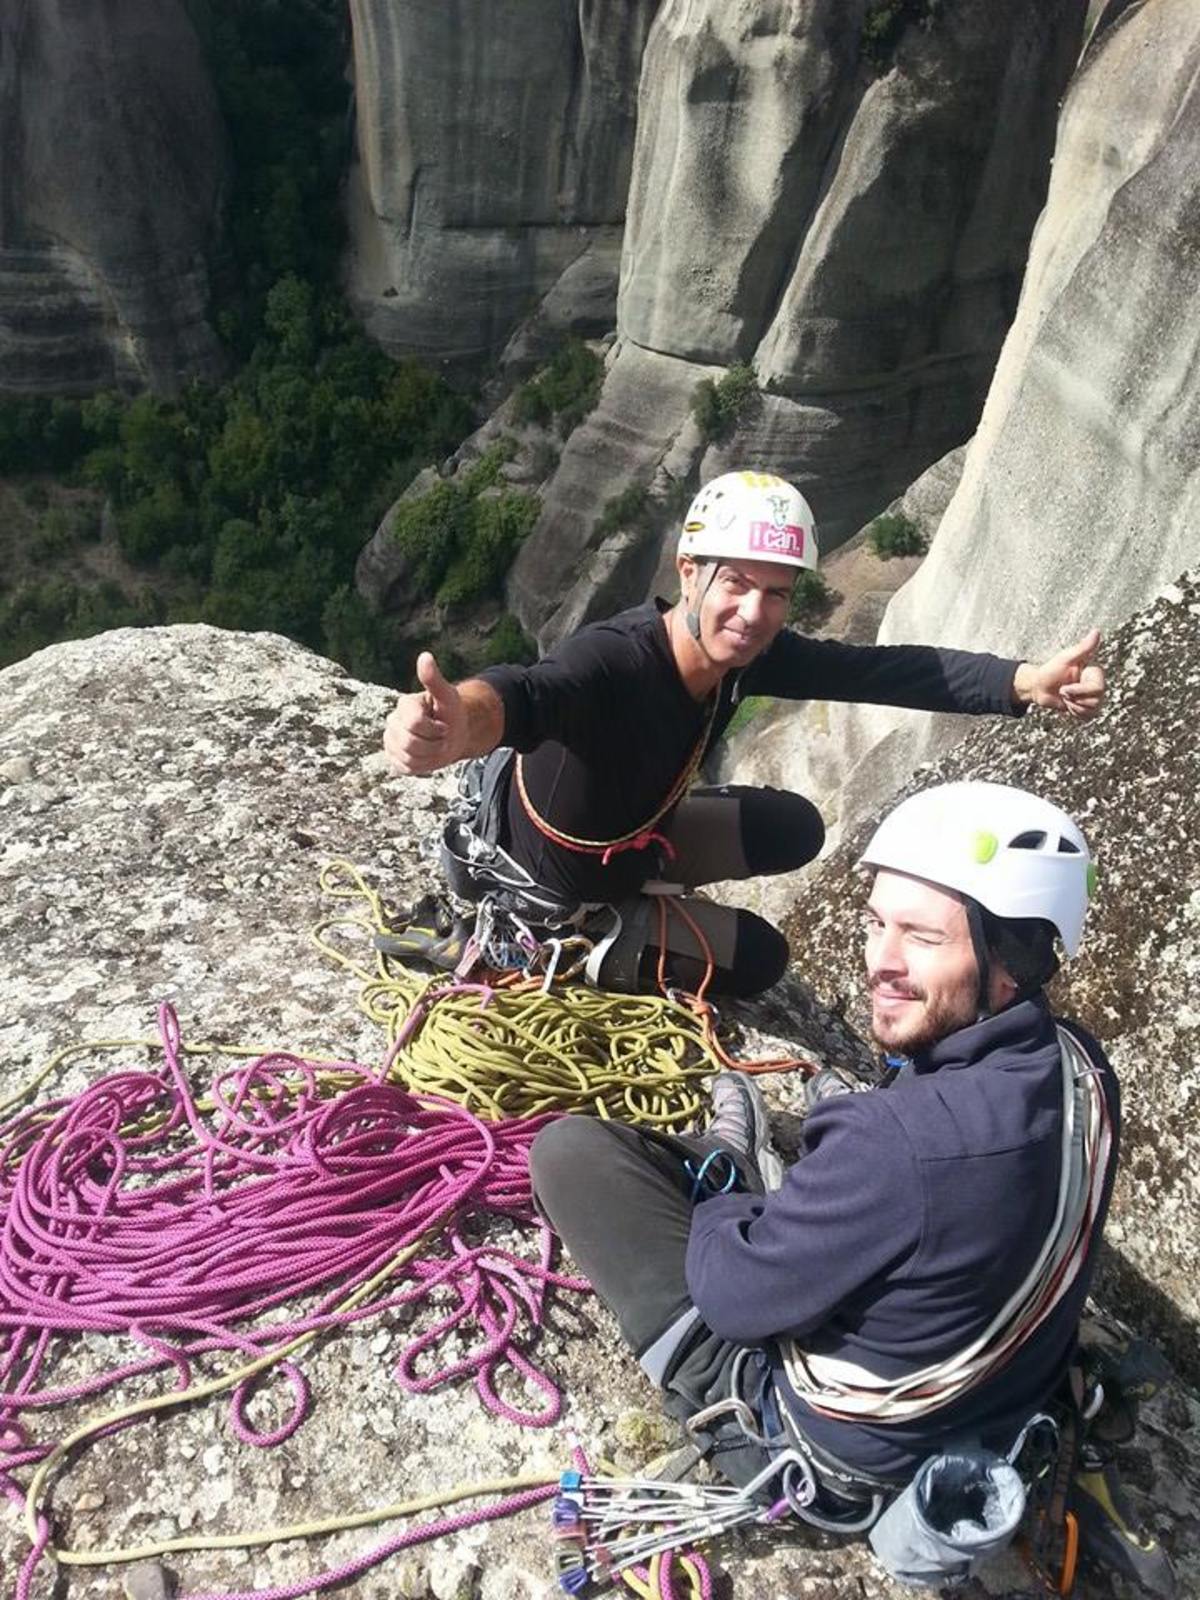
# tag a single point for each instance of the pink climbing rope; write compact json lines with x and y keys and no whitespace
{"x":127,"y":1209}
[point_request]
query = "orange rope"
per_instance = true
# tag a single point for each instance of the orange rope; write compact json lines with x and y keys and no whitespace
{"x":637,"y":838}
{"x":697,"y":1003}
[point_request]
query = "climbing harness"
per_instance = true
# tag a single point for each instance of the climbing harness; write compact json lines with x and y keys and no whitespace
{"x":645,"y":834}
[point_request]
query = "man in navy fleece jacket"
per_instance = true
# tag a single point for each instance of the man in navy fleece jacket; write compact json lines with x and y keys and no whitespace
{"x":916,"y":1211}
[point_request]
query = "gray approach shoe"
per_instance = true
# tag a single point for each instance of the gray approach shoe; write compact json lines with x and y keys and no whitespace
{"x":824,"y":1084}
{"x":740,"y":1121}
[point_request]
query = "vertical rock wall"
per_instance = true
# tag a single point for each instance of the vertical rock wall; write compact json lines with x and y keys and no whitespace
{"x":1080,"y":496}
{"x":494,"y":146}
{"x":852,"y":220}
{"x":112,"y":169}
{"x":856,"y":227}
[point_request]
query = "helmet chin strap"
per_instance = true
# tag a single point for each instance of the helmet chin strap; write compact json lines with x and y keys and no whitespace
{"x":692,"y":613}
{"x":983,"y":959}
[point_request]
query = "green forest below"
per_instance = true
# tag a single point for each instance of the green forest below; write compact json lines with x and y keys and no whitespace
{"x":246,"y":504}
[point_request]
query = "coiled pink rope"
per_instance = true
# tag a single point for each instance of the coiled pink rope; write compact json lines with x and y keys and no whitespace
{"x":127,"y":1210}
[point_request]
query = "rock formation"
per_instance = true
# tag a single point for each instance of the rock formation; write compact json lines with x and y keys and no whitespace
{"x":493,"y":149}
{"x":167,"y":798}
{"x":112,"y":170}
{"x":854,"y":227}
{"x":1080,"y":496}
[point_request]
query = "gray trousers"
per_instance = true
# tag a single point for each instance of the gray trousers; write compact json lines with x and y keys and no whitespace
{"x":620,"y":1199}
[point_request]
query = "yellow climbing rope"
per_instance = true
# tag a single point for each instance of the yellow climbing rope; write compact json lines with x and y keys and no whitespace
{"x":524,"y":1048}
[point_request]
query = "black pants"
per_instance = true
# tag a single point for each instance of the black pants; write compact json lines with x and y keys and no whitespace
{"x":620,"y":1199}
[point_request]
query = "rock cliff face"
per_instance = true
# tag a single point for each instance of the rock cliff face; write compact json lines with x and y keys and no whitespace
{"x":167,"y":798}
{"x":112,"y":168}
{"x":494,"y":147}
{"x":856,"y":228}
{"x":1080,"y":495}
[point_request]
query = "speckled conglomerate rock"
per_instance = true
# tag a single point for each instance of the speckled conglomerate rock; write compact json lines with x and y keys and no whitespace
{"x":167,"y":798}
{"x":113,"y":172}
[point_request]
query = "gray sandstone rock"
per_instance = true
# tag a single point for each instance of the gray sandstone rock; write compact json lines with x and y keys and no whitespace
{"x":493,"y":153}
{"x":861,"y":240}
{"x":1080,"y":496}
{"x":565,"y":574}
{"x":113,"y":168}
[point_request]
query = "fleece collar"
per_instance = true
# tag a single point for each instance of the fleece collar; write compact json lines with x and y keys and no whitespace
{"x":1022,"y":1027}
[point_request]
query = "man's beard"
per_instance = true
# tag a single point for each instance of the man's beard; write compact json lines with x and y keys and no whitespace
{"x":935,"y":1020}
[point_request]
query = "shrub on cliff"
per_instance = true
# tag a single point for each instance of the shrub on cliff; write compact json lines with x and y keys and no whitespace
{"x":509,"y":642}
{"x":894,"y":534}
{"x":885,"y":22}
{"x":717,"y":406}
{"x":812,"y":599}
{"x":564,"y":391}
{"x":624,"y":510}
{"x":462,"y":535}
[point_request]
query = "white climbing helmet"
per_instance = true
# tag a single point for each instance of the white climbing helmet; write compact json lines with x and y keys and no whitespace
{"x":750,"y":516}
{"x":1017,"y":855}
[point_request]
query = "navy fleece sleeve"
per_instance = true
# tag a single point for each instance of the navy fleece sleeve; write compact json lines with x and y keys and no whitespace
{"x":920,"y":677}
{"x":849,"y":1209}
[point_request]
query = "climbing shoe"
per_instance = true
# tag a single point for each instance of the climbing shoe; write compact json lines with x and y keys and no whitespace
{"x":825,"y":1084}
{"x":740,"y":1124}
{"x":433,"y":934}
{"x":1108,"y":1537}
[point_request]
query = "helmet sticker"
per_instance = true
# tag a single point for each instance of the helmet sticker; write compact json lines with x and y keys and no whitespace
{"x":769,"y":539}
{"x":779,"y":509}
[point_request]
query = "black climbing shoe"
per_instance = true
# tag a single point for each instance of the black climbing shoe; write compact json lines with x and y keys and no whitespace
{"x":1107,"y":1535}
{"x":432,"y":934}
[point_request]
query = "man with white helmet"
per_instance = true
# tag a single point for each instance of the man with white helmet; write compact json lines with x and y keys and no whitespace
{"x":610,"y":729}
{"x":918,"y":1275}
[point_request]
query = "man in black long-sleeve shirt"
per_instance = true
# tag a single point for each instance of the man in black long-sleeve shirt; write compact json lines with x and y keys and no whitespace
{"x":848,"y":1304}
{"x":611,"y":726}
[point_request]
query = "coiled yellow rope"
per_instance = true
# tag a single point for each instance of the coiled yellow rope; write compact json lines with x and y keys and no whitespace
{"x":520,"y":1050}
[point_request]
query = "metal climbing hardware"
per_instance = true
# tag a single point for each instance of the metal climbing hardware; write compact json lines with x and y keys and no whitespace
{"x":518,"y":925}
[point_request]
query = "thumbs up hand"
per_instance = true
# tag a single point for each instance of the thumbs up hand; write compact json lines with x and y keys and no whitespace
{"x":1071,"y":681}
{"x":427,"y":730}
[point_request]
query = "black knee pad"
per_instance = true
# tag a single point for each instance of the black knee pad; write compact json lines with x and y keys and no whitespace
{"x":780,"y":830}
{"x":760,"y":959}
